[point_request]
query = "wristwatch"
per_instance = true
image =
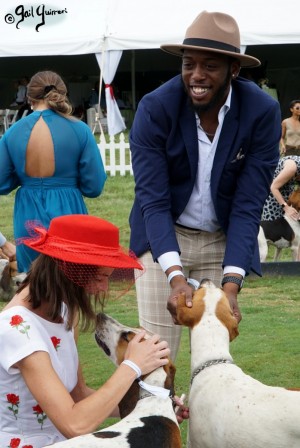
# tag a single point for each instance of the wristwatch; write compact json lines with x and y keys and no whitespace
{"x":231,"y":279}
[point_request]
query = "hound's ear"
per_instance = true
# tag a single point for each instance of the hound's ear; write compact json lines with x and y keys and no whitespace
{"x":191,"y":316}
{"x":130,"y":399}
{"x":233,"y":329}
{"x":182,"y":310}
{"x":225,"y":315}
{"x":170,"y":370}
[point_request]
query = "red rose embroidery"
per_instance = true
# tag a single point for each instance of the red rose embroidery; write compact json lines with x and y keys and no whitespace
{"x":16,"y":320}
{"x":14,"y":401}
{"x":40,"y":414}
{"x":19,"y":323}
{"x":55,"y":342}
{"x":14,"y":443}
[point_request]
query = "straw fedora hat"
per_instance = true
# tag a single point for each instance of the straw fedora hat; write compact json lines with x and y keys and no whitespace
{"x":214,"y":32}
{"x":82,"y":239}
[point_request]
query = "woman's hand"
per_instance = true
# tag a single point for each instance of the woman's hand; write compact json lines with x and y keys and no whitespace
{"x":148,"y":354}
{"x":9,"y":250}
{"x":182,"y":412}
{"x":291,"y":212}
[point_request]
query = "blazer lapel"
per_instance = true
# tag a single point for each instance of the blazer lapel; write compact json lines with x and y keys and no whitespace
{"x":226,"y":143}
{"x":189,"y":134}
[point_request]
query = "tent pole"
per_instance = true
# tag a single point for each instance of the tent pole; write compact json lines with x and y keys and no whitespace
{"x":133,"y":80}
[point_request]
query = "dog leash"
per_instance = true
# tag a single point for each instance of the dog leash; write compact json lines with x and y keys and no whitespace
{"x":208,"y":364}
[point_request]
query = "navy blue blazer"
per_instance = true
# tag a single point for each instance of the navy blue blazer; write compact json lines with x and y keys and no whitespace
{"x":164,"y":147}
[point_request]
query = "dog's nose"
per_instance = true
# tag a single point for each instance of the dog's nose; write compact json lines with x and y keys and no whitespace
{"x":101,"y":317}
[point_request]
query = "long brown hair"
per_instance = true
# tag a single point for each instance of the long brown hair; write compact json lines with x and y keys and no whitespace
{"x":49,"y":86}
{"x":48,"y":284}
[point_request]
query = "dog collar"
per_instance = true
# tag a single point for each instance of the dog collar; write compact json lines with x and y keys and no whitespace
{"x":155,"y":390}
{"x":208,"y":364}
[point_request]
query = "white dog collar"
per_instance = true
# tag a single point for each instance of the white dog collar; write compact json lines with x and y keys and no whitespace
{"x":155,"y":390}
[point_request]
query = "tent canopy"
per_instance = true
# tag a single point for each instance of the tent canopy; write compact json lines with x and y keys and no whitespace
{"x":73,"y":27}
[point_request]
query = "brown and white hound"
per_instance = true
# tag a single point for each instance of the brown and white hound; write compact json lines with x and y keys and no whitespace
{"x":147,"y":421}
{"x":229,"y":409}
{"x":282,"y":233}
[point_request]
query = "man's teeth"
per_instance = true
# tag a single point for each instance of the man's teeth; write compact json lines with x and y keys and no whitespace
{"x":199,"y":90}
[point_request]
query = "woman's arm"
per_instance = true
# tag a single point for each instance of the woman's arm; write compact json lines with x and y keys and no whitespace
{"x":282,"y":140}
{"x":75,"y":418}
{"x":286,"y":174}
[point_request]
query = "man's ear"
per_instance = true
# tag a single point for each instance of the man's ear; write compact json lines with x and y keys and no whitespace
{"x":235,"y":68}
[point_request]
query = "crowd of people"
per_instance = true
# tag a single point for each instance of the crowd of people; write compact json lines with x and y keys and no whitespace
{"x":197,"y":143}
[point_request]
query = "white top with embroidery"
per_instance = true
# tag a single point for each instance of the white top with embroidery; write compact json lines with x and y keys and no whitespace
{"x":23,"y":424}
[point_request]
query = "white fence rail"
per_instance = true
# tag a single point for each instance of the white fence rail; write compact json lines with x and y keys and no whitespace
{"x":115,"y":155}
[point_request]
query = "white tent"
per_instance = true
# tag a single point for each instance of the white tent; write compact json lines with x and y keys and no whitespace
{"x":73,"y":27}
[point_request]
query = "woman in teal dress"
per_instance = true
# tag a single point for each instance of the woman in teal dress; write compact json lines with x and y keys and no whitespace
{"x":52,"y":157}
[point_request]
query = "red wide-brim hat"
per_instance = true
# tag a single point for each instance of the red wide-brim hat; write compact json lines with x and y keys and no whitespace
{"x":82,"y":239}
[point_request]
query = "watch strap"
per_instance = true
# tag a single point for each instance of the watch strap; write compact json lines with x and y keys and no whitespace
{"x":232,"y":279}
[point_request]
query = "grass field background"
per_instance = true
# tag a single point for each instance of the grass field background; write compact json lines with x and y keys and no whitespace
{"x":268,"y":347}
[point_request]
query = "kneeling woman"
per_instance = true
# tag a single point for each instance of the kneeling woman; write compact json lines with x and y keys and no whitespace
{"x":43,"y":398}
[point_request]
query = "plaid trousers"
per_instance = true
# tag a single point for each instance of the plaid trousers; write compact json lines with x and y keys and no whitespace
{"x":202,"y":256}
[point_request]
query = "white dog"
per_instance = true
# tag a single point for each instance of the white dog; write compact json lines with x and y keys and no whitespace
{"x":229,"y":409}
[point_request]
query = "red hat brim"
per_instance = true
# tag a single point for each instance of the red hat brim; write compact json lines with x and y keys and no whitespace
{"x":81,"y":253}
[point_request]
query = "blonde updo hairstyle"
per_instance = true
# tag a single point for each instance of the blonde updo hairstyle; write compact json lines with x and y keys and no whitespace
{"x":49,"y":86}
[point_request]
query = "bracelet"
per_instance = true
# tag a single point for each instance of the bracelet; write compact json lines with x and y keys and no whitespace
{"x":173,"y":274}
{"x":283,"y":205}
{"x":133,"y":366}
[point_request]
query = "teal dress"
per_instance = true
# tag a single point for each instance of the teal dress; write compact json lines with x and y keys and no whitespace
{"x":79,"y":172}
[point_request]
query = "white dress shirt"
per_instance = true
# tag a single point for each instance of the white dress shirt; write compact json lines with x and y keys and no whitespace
{"x":199,"y":212}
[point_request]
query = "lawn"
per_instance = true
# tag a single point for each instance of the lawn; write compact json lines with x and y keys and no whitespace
{"x":268,"y":347}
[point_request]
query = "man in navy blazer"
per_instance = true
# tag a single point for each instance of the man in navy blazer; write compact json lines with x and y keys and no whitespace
{"x":204,"y":149}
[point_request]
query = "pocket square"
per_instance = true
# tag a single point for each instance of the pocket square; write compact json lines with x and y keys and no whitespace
{"x":239,"y":156}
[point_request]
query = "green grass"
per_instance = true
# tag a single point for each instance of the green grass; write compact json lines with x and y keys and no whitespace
{"x":268,"y":347}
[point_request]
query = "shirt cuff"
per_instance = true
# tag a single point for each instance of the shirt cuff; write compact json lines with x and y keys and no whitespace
{"x":234,"y":270}
{"x":169,"y":259}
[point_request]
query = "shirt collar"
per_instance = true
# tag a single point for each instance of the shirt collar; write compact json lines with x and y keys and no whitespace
{"x":222,"y":112}
{"x":226,"y":105}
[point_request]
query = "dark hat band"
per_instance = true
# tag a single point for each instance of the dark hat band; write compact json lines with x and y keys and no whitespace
{"x":210,"y":44}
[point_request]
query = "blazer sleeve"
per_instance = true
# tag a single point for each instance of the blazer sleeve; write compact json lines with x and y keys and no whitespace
{"x":252,"y":186}
{"x":148,"y":144}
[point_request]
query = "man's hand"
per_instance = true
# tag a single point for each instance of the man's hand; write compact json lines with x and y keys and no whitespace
{"x":231,"y":290}
{"x":179,"y":286}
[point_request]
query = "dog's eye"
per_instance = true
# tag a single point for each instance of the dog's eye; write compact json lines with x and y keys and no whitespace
{"x":124,"y":336}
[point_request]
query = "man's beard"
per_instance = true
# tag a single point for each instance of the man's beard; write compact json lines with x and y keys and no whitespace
{"x":217,"y":99}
